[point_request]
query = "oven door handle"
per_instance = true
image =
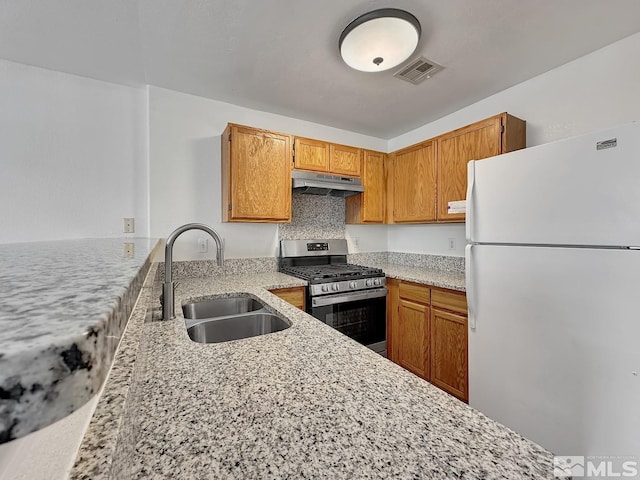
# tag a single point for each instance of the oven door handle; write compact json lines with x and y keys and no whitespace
{"x":348,"y":297}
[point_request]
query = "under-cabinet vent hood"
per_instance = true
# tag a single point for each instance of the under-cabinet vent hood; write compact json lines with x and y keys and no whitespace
{"x":323,"y":184}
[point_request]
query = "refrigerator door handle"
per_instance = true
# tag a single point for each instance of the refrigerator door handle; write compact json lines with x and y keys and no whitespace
{"x":471,"y":188}
{"x":469,"y":280}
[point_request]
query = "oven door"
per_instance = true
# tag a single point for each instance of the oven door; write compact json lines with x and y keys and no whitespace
{"x":360,"y":315}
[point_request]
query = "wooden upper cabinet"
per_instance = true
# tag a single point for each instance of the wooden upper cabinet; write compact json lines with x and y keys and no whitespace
{"x":311,"y":155}
{"x":318,"y":156}
{"x":344,"y":160}
{"x":256,"y":175}
{"x":369,"y":206}
{"x":493,"y":136}
{"x":413,"y":193}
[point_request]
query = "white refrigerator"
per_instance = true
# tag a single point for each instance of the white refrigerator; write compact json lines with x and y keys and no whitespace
{"x":553,"y":287}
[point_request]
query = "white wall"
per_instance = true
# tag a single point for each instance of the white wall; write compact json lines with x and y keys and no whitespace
{"x":73,"y":153}
{"x":597,"y":91}
{"x":366,"y":238}
{"x":185,"y":169}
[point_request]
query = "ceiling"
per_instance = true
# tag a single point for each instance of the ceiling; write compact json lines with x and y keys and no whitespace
{"x":281,"y":56}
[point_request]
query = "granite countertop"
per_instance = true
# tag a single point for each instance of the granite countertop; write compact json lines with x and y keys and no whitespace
{"x":63,"y":307}
{"x":435,"y":270}
{"x":438,"y":278}
{"x":306,"y":402}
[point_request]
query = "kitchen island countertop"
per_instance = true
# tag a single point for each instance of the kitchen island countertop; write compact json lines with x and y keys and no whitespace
{"x":306,"y":402}
{"x":63,"y":308}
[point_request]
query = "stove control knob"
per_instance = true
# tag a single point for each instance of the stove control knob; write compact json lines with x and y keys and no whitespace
{"x":376,"y":281}
{"x":324,"y":288}
{"x":335,"y":287}
{"x":353,"y":284}
{"x":369,"y":282}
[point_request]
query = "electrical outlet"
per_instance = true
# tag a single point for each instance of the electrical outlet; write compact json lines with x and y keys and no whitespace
{"x":452,"y":243}
{"x":356,"y":241}
{"x":203,"y":245}
{"x":129,"y":226}
{"x":129,"y":250}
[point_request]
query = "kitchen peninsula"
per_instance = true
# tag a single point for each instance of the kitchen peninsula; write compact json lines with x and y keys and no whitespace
{"x":306,"y":402}
{"x":63,"y":308}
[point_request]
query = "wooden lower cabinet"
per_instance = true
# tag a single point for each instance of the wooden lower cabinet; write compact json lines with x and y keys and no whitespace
{"x":427,"y":334}
{"x":449,"y":358}
{"x":293,"y":295}
{"x":413,"y":337}
{"x":392,"y":318}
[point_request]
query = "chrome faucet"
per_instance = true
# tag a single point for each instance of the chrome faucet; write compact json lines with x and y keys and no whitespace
{"x":169,"y":286}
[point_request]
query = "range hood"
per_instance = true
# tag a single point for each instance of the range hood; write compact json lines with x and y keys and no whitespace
{"x":324,"y":184}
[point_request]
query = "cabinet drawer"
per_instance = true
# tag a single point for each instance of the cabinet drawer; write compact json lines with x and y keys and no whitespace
{"x":448,"y":300}
{"x":293,"y":295}
{"x":415,"y":291}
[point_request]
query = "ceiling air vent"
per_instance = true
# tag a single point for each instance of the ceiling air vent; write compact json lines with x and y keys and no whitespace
{"x":418,"y":70}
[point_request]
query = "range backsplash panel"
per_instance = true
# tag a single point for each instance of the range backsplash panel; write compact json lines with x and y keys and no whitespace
{"x":314,"y":216}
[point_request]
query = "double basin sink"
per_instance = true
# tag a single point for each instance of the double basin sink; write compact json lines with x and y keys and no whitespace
{"x":229,"y":318}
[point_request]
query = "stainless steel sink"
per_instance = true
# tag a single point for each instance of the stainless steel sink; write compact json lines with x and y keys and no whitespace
{"x":220,"y":307}
{"x":236,"y":327}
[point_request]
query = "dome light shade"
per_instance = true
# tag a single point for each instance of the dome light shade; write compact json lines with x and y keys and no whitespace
{"x":379,"y":40}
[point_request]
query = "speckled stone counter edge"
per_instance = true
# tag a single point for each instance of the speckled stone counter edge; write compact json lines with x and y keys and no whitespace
{"x":110,"y":438}
{"x":78,"y":368}
{"x":107,"y":433}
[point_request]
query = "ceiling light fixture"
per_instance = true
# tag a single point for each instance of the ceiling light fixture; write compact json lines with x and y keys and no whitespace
{"x":380,"y":40}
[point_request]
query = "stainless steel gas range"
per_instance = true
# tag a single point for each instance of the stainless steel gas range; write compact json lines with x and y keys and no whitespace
{"x":350,"y":298}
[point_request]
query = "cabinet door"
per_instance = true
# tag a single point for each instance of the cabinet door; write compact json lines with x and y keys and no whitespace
{"x":449,"y":357}
{"x":373,"y":181}
{"x":412,"y":342}
{"x":392,"y":319}
{"x":344,"y":160}
{"x":414,"y":185}
{"x":369,"y":206}
{"x":311,"y":155}
{"x":475,"y":142}
{"x":259,"y":169}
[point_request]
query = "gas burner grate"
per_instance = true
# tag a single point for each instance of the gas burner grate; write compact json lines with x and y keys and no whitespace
{"x":332,"y":271}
